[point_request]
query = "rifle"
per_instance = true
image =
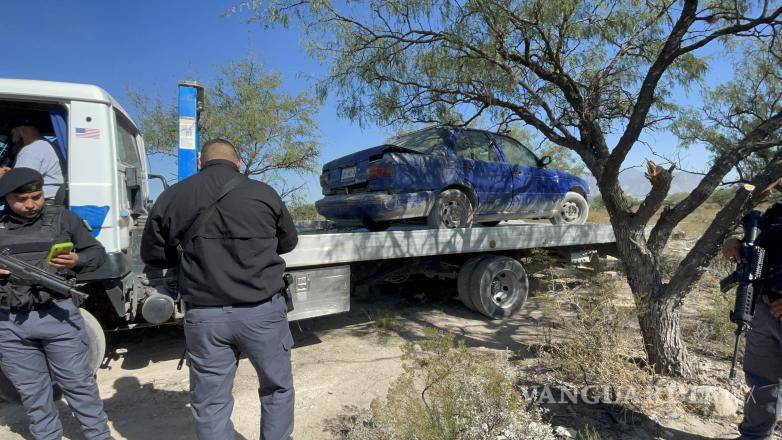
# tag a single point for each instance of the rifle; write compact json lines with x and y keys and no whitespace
{"x":22,"y":270}
{"x":748,"y":271}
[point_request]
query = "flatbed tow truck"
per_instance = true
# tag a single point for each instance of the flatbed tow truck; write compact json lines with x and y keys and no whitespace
{"x":108,"y":185}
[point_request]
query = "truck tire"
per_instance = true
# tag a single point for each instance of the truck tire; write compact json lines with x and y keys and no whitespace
{"x":452,"y":209}
{"x":97,"y":340}
{"x":499,"y":286}
{"x":573,"y":210}
{"x":463,"y":280}
{"x":97,"y":350}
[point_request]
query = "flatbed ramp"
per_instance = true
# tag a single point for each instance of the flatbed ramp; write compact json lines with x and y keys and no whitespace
{"x":329,"y":248}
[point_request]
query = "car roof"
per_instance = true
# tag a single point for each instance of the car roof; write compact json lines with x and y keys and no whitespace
{"x":63,"y":91}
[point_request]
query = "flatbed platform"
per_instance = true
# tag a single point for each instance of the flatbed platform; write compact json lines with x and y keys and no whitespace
{"x":329,"y":247}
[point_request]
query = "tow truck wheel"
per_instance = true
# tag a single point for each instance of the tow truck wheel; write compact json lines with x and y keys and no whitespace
{"x":97,"y":340}
{"x":97,"y":350}
{"x":463,"y":280}
{"x":452,"y":209}
{"x":499,"y":286}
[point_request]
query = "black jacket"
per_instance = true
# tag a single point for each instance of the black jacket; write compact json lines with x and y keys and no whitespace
{"x":237,"y":257}
{"x":31,"y":239}
{"x":770,"y":238}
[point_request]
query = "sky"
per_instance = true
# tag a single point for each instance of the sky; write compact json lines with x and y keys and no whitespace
{"x":151,"y":45}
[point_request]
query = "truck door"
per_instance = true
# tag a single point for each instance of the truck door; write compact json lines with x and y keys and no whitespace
{"x":129,"y":175}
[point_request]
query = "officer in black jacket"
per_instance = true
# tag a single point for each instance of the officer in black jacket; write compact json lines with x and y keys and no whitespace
{"x":41,"y":331}
{"x":763,"y":353}
{"x":226,"y":232}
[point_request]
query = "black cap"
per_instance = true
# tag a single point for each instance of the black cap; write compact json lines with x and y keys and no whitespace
{"x":21,"y":121}
{"x":17,"y":178}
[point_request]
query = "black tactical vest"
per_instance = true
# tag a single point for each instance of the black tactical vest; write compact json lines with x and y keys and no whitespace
{"x":771,"y":239}
{"x":31,"y":243}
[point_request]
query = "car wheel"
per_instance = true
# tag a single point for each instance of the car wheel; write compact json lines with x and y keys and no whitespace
{"x":375,"y":226}
{"x":499,"y":286}
{"x":490,"y":224}
{"x":573,"y":210}
{"x":452,"y":209}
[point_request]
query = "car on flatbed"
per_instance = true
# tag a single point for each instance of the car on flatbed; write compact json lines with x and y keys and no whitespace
{"x":453,"y":178}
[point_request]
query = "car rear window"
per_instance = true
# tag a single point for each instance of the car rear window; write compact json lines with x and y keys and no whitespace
{"x":422,"y":141}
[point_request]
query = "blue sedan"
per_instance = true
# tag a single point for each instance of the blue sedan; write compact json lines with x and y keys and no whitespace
{"x":451,"y":177}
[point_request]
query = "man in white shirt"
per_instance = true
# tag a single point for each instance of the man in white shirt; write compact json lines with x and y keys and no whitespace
{"x":33,"y":151}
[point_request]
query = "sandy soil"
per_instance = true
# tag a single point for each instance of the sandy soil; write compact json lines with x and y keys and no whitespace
{"x":339,"y":361}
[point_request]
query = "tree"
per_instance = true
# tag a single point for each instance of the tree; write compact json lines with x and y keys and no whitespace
{"x":590,"y":76}
{"x":274,"y":132}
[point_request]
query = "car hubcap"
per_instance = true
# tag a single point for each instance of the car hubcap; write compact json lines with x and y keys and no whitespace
{"x":504,"y":288}
{"x":570,"y":212}
{"x":452,"y":214}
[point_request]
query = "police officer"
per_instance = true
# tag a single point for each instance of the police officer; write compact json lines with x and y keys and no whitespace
{"x":41,"y":331}
{"x":226,"y":232}
{"x":763,"y":352}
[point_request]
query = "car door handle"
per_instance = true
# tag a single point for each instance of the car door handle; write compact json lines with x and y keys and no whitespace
{"x":517,"y":171}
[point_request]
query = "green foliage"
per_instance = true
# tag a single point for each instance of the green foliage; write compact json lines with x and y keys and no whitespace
{"x":304,"y":211}
{"x":722,"y":196}
{"x":273,"y":130}
{"x":450,"y":392}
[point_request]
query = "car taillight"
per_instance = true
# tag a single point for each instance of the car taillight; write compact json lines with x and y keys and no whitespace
{"x":380,"y":170}
{"x":324,"y":179}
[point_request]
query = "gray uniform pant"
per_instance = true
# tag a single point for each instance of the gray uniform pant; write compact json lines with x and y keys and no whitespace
{"x":51,"y":338}
{"x":214,"y":337}
{"x":763,"y":371}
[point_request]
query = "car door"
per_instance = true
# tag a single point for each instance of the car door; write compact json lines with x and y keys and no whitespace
{"x":534,"y":187}
{"x":478,"y":164}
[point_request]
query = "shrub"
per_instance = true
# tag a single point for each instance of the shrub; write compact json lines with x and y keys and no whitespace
{"x":448,"y":392}
{"x":600,"y":343}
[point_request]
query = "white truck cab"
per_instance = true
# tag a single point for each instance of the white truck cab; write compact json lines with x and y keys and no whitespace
{"x":104,"y":155}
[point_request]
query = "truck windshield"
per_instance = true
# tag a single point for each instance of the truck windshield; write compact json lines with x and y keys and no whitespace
{"x":422,"y":141}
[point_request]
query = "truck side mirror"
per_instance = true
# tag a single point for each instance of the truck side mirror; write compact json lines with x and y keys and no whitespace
{"x":545,"y":160}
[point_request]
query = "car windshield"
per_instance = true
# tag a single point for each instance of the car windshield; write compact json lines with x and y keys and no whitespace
{"x":422,"y":141}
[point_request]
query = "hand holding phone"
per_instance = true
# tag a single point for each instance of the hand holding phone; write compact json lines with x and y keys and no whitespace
{"x":61,"y":255}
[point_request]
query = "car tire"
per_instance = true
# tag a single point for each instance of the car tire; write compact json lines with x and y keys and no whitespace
{"x":573,"y":210}
{"x":490,"y":224}
{"x":95,"y":356}
{"x":452,"y":209}
{"x":375,"y":226}
{"x":463,"y":280}
{"x":499,"y":287}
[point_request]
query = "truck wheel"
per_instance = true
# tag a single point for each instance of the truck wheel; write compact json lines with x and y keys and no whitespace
{"x":452,"y":209}
{"x":97,"y":340}
{"x":463,"y":280}
{"x":573,"y":210}
{"x":499,"y":286}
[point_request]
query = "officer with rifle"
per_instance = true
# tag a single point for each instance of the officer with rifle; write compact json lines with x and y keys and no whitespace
{"x":42,"y":333}
{"x":758,"y":281}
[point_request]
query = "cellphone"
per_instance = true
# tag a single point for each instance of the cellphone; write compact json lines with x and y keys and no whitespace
{"x":59,"y":249}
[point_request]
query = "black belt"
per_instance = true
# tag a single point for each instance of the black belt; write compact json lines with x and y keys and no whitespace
{"x":237,"y":305}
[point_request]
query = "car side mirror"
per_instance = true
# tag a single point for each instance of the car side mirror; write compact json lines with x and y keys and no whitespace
{"x":545,"y":160}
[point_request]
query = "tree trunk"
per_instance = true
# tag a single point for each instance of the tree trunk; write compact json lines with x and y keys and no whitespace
{"x":658,"y":309}
{"x":665,"y":350}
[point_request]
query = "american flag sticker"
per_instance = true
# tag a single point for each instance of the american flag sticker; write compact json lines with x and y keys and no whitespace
{"x":88,"y":133}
